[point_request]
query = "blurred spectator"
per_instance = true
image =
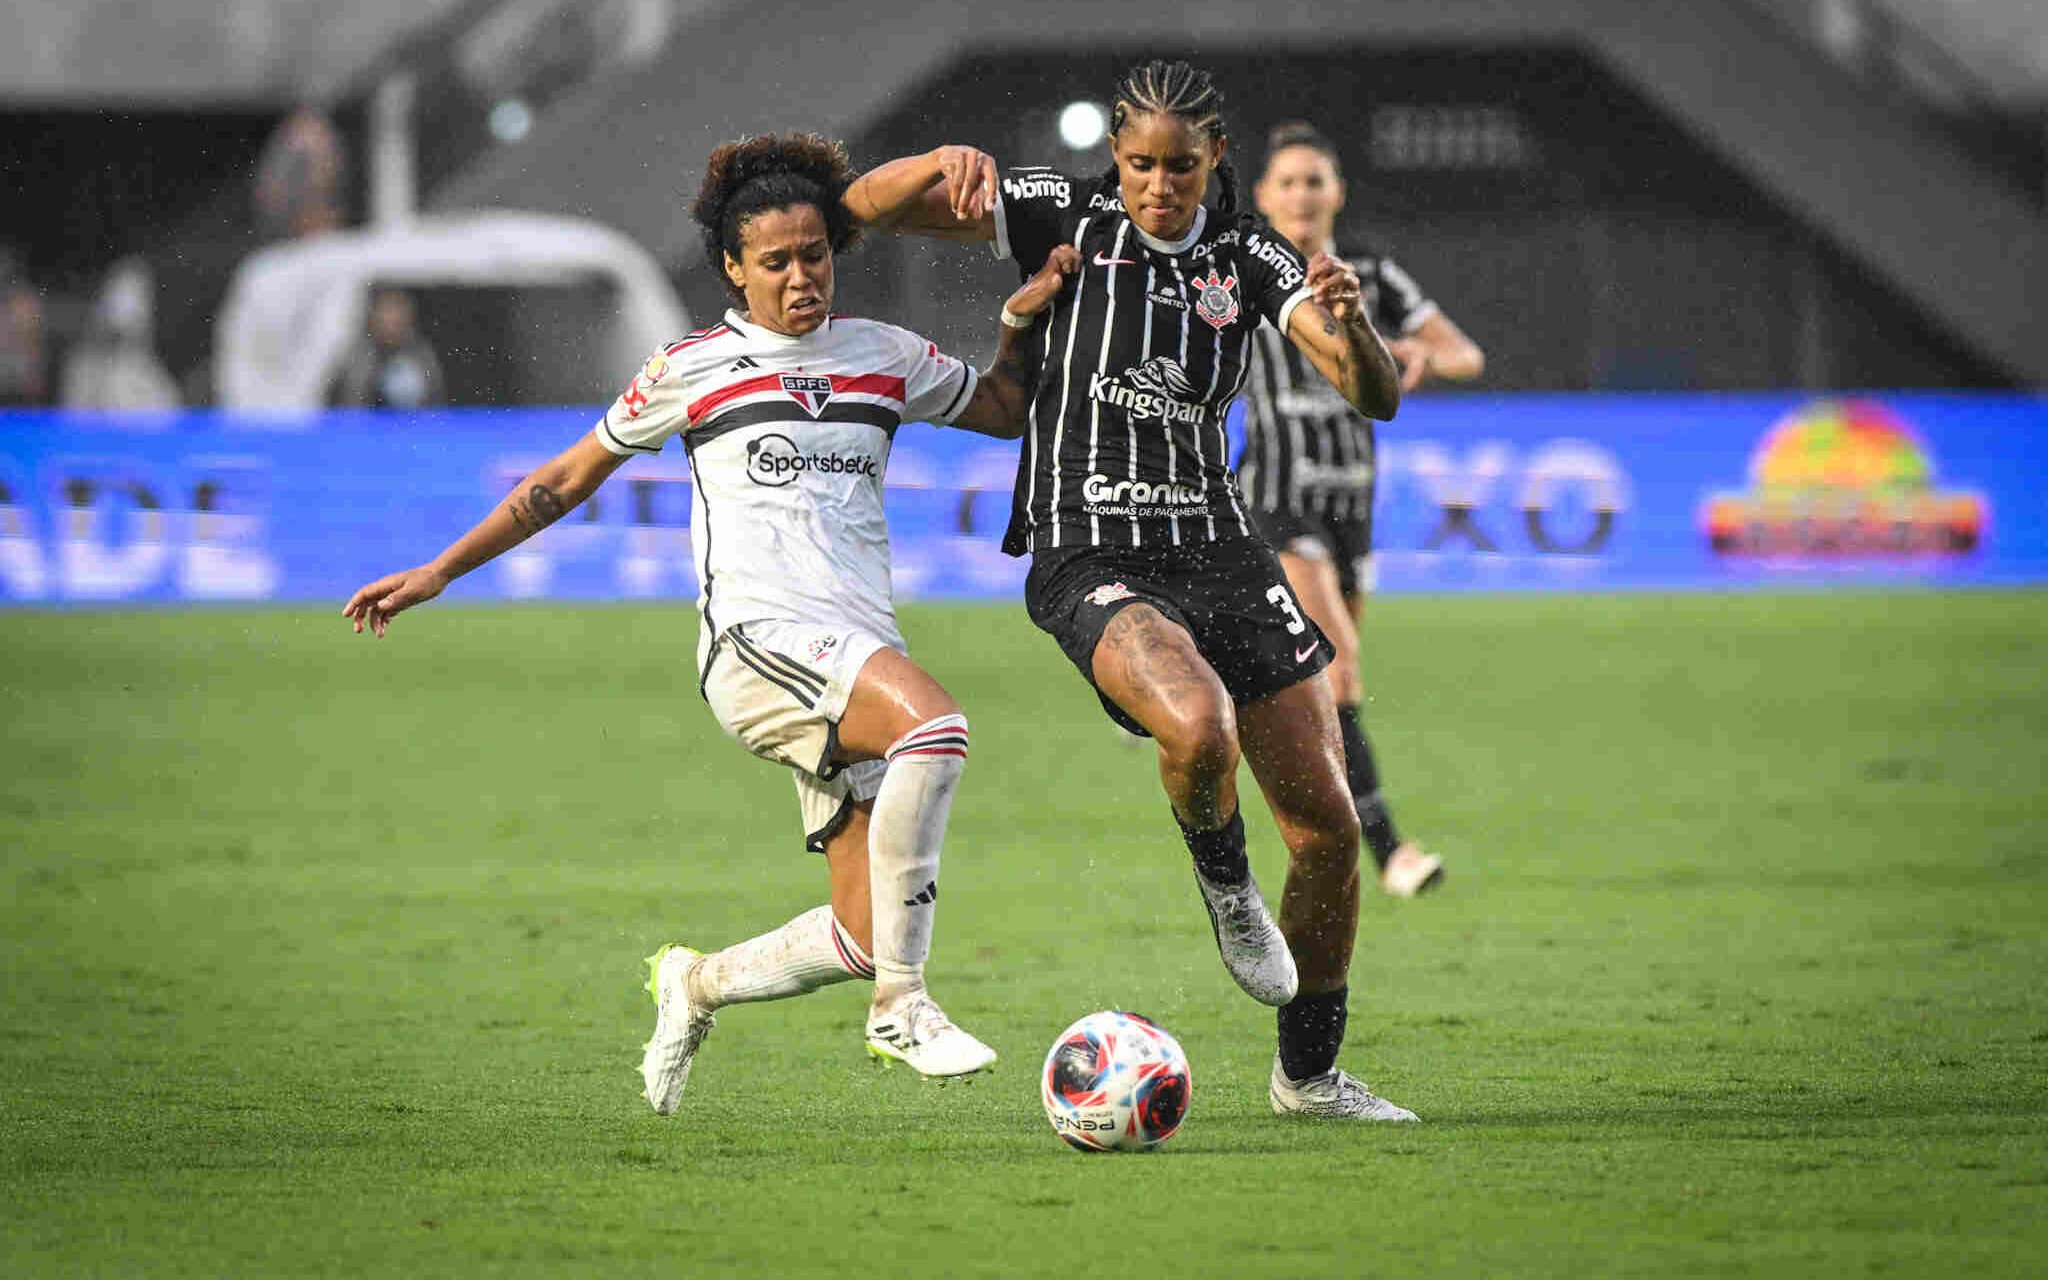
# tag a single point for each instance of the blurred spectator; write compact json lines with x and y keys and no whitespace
{"x":24,"y":377}
{"x":393,"y":367}
{"x":299,"y":178}
{"x":114,"y":365}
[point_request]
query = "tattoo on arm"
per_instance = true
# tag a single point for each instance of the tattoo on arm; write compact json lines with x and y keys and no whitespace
{"x":538,"y":509}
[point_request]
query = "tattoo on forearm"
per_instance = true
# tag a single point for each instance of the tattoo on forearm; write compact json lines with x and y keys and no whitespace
{"x":538,"y":509}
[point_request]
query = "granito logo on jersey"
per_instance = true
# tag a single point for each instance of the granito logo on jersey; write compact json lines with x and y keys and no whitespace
{"x":1216,"y":300}
{"x":1040,"y":186}
{"x":1108,"y":593}
{"x":1317,"y":399}
{"x":1108,"y":497}
{"x":809,"y":390}
{"x":1282,"y":259}
{"x":773,"y":460}
{"x":1159,"y":388}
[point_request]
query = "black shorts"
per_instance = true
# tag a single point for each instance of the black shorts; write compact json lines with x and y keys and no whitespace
{"x":1231,"y":596}
{"x":1345,"y":543}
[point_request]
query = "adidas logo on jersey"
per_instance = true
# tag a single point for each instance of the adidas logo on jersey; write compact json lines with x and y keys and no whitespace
{"x":744,"y":362}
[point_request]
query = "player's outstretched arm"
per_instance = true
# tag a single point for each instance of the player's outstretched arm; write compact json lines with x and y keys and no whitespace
{"x":1439,"y":348}
{"x":1332,"y":330}
{"x":948,"y":193}
{"x":1002,"y":399}
{"x":536,"y":502}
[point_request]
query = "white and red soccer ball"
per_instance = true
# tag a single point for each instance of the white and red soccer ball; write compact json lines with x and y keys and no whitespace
{"x":1116,"y":1082}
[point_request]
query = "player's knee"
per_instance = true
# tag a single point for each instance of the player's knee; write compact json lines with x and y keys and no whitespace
{"x":1326,"y":832}
{"x":1345,"y":685}
{"x":941,"y":740}
{"x":1200,"y":737}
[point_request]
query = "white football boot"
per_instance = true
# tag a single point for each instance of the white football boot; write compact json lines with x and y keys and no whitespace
{"x":679,"y":1027}
{"x":918,"y":1033}
{"x":1410,"y":872}
{"x":1333,"y":1095}
{"x":1251,"y":944}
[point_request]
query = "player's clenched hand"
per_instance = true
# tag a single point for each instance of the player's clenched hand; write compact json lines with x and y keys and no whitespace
{"x":1033,"y":295}
{"x":970,"y":182}
{"x":1334,"y":286}
{"x":1412,"y":354}
{"x":378,"y":602}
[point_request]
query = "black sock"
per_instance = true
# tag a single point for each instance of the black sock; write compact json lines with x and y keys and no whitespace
{"x":1364,"y":777}
{"x":1311,"y":1030}
{"x":1219,"y":854}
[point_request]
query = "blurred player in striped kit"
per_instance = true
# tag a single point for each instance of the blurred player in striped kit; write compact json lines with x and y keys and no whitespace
{"x":1309,"y":460}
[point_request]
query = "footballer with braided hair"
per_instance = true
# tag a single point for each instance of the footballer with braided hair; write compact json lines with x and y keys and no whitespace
{"x":787,"y":412}
{"x":1145,"y":566}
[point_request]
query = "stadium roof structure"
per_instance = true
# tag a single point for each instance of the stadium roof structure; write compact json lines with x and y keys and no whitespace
{"x":294,"y":310}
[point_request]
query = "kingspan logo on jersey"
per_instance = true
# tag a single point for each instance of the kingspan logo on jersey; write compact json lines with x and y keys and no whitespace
{"x":774,"y":460}
{"x":1159,"y":388}
{"x":1038,"y":186}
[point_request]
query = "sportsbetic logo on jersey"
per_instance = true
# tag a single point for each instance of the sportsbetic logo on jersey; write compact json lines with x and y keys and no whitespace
{"x":1036,"y":186}
{"x":809,"y":390}
{"x":1159,"y":388}
{"x":1843,"y":479}
{"x":774,"y":460}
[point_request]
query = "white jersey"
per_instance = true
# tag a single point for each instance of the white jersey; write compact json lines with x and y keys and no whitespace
{"x":788,"y":441}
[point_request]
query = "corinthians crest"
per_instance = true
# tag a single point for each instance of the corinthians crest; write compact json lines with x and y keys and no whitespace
{"x":1216,"y":298}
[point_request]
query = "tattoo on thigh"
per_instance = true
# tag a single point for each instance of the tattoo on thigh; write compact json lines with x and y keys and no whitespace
{"x":1153,"y":654}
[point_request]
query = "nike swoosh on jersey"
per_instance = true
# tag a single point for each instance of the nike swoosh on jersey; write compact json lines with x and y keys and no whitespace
{"x":1303,"y":655}
{"x":1101,"y":261}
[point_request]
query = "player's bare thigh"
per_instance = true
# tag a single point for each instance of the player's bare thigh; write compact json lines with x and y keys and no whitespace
{"x":1149,"y":665}
{"x":1321,"y":594}
{"x":891,"y":696}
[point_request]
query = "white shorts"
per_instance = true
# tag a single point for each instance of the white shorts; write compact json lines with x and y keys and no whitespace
{"x":779,"y":688}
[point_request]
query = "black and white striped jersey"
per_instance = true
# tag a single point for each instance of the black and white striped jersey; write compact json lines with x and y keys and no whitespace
{"x":1141,"y":354}
{"x":1306,"y":449}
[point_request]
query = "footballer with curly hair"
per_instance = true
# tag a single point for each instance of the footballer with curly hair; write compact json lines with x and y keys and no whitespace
{"x":787,"y":412}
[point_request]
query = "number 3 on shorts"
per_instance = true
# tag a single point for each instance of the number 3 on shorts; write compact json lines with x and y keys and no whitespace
{"x":1296,"y":624}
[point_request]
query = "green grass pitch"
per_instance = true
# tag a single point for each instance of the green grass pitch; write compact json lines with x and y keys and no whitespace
{"x":322,"y":957}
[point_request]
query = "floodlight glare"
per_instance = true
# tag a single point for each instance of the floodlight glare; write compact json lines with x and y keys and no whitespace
{"x":1082,"y":125}
{"x":511,"y":120}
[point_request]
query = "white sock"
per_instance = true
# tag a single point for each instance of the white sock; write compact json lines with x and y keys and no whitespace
{"x":809,"y":952}
{"x":905,"y":834}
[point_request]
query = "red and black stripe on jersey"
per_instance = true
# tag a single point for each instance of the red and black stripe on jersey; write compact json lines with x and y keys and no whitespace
{"x":1141,"y":354}
{"x":1306,"y":449}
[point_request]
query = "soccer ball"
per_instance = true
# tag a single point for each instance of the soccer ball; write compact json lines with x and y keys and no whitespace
{"x":1116,"y":1082}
